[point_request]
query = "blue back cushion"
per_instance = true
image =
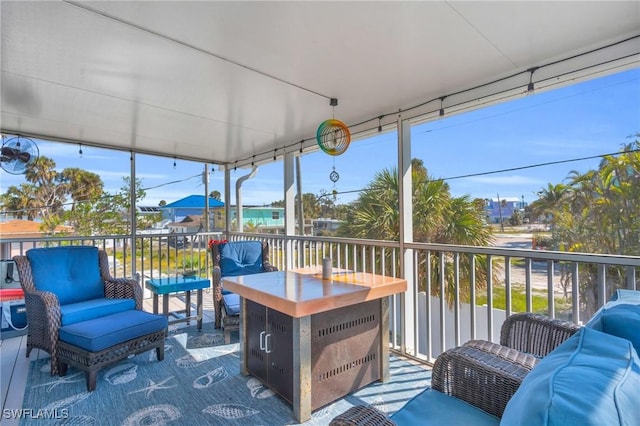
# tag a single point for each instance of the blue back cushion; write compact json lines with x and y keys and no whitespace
{"x":240,"y":258}
{"x":592,"y":378}
{"x":623,"y":294}
{"x":620,"y":319}
{"x":72,"y":273}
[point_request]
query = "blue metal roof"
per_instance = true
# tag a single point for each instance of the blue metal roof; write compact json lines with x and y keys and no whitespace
{"x":193,"y":201}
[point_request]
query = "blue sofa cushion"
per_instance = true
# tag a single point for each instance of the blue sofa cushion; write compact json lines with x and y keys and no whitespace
{"x":72,"y":273}
{"x":94,"y":308}
{"x":100,"y":333}
{"x":231,"y":302}
{"x":591,"y":379}
{"x":240,"y":258}
{"x":630,"y":296}
{"x":431,"y":407}
{"x":620,"y":319}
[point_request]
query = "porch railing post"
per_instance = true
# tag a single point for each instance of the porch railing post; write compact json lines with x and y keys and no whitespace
{"x":405,"y":206}
{"x":289,"y":208}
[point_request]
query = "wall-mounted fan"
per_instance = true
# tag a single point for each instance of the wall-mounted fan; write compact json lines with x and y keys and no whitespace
{"x":17,"y":154}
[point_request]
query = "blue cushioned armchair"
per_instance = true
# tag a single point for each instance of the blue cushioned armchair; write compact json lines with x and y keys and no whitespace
{"x":67,"y":285}
{"x":233,"y":259}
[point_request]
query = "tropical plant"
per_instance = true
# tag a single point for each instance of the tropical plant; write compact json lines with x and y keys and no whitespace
{"x":438,"y":217}
{"x":598,"y":213}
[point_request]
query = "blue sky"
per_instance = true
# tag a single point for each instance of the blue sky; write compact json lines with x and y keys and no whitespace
{"x":581,"y":120}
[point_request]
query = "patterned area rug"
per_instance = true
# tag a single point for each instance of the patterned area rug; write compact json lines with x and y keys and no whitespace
{"x":197,"y":383}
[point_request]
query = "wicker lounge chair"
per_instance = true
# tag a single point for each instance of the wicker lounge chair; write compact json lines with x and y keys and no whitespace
{"x":459,"y":375}
{"x":465,"y":371}
{"x":44,"y":314}
{"x":256,"y":260}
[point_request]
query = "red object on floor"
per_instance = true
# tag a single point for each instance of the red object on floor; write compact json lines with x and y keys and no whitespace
{"x":7,"y":294}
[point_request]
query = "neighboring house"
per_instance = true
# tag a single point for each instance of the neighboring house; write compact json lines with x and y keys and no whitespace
{"x":193,"y":205}
{"x":191,"y":224}
{"x":23,"y":229}
{"x":508,"y":205}
{"x":265,"y":218}
{"x":322,"y":226}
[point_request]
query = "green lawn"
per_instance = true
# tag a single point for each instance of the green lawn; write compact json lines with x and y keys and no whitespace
{"x":518,"y":301}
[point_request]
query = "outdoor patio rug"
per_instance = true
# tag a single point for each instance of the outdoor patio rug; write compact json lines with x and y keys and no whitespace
{"x":197,"y":383}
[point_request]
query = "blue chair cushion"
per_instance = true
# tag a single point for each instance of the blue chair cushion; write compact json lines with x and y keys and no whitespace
{"x":94,"y":308}
{"x":591,"y":379}
{"x":100,"y":333}
{"x":71,"y":273}
{"x":240,"y":258}
{"x":231,"y":302}
{"x":622,"y":294}
{"x":431,"y":407}
{"x":620,"y":319}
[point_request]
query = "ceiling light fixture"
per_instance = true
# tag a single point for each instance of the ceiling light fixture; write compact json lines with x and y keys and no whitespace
{"x":380,"y":123}
{"x":80,"y":150}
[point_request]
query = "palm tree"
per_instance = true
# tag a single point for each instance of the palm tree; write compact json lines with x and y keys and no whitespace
{"x":548,"y":199}
{"x":597,"y":213}
{"x":437,"y":216}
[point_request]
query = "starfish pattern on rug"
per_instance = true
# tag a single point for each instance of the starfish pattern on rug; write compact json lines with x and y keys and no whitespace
{"x":153,"y":386}
{"x":62,"y":380}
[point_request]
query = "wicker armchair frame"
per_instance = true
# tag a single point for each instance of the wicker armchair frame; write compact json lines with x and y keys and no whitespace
{"x":535,"y":334}
{"x":479,"y":378}
{"x":43,"y":307}
{"x":222,"y":320}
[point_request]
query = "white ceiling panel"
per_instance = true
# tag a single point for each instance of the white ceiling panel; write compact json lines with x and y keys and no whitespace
{"x":226,"y":81}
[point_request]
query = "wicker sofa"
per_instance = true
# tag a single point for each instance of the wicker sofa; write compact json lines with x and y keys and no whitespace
{"x":64,"y":286}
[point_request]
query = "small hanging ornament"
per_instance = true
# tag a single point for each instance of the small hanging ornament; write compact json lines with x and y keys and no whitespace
{"x":334,"y":176}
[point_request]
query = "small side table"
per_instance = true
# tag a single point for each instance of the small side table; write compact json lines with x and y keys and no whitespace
{"x":166,"y":286}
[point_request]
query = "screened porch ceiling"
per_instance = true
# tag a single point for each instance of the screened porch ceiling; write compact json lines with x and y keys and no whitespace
{"x":240,"y":82}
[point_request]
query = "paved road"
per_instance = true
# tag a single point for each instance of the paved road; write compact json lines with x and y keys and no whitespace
{"x":538,"y":270}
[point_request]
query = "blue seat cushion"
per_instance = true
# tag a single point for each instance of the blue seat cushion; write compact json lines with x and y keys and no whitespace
{"x":94,"y":308}
{"x":620,"y":319}
{"x":231,"y":302}
{"x":592,"y":378}
{"x":71,"y":273}
{"x":431,"y":407}
{"x":240,"y":258}
{"x":97,"y":334}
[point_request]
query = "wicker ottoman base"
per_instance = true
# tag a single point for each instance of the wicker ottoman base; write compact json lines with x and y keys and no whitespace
{"x":92,"y":362}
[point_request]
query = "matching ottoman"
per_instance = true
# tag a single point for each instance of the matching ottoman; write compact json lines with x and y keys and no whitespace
{"x":93,"y":344}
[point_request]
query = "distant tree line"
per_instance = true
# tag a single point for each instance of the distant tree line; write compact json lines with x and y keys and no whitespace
{"x":73,"y":197}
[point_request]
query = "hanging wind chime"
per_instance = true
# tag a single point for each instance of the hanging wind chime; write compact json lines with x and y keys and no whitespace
{"x":333,"y":138}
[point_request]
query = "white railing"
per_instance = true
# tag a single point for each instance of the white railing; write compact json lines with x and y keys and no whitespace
{"x":569,"y":286}
{"x":482,"y":285}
